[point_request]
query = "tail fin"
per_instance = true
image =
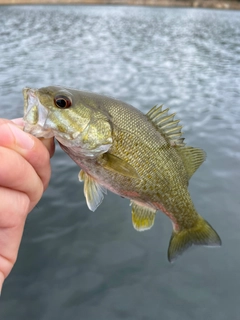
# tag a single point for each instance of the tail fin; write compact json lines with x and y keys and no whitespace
{"x":201,"y":234}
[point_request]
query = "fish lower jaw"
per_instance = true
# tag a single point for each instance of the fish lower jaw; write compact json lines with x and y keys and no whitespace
{"x":80,"y":150}
{"x":38,"y":131}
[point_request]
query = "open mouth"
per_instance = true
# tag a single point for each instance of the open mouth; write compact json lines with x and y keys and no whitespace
{"x":35,"y":115}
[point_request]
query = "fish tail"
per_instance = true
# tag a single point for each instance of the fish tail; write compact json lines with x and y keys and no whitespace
{"x":200,"y":234}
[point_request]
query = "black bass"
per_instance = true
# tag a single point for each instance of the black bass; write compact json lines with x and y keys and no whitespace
{"x":137,"y":156}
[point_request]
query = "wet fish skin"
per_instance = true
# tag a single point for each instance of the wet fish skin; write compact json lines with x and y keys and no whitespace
{"x":140,"y":157}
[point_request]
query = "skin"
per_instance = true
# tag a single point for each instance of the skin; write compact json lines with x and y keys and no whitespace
{"x":24,"y":176}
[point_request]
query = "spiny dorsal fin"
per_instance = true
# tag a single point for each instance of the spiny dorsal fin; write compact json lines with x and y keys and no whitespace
{"x":166,"y":124}
{"x":142,"y":217}
{"x":192,"y":158}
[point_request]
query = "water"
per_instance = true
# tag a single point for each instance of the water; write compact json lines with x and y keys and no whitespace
{"x":75,"y":264}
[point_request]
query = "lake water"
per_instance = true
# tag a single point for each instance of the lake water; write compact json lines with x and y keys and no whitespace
{"x":76,"y":264}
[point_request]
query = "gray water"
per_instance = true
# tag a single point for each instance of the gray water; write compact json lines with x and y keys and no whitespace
{"x":76,"y":264}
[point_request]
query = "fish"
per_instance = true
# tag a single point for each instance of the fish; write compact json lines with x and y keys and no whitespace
{"x":142,"y":157}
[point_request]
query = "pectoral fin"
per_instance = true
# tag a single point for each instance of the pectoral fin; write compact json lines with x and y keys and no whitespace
{"x":142,"y":217}
{"x":118,"y":165}
{"x":93,"y":191}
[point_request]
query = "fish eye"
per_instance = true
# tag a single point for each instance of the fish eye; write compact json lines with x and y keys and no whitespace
{"x":62,"y":102}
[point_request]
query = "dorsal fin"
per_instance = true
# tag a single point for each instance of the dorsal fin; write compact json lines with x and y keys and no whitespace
{"x":166,"y":124}
{"x":192,"y":158}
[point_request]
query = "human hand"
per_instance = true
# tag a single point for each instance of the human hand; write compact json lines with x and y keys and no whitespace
{"x":24,"y":176}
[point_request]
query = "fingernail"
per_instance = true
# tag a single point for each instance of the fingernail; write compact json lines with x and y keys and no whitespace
{"x":23,"y":139}
{"x":18,"y":122}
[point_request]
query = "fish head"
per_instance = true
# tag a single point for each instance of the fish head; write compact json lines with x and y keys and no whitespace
{"x":64,"y":114}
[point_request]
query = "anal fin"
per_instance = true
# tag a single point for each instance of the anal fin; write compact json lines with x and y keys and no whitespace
{"x":93,"y":191}
{"x":142,"y":217}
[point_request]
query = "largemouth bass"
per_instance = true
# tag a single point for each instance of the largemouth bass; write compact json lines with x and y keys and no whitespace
{"x":137,"y":156}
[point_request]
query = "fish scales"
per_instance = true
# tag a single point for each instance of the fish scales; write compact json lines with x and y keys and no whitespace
{"x":137,"y":156}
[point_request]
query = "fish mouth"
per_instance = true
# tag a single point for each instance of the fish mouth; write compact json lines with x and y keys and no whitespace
{"x":35,"y":115}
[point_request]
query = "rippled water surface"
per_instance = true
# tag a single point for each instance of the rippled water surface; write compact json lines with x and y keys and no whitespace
{"x":75,"y":264}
